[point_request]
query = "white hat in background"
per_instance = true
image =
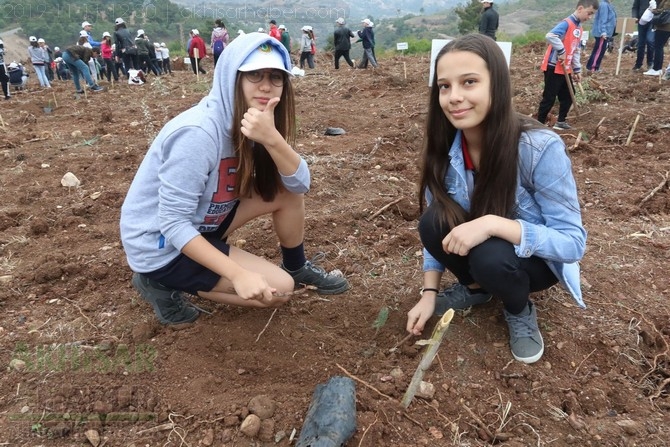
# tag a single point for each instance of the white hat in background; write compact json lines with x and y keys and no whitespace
{"x":40,"y":40}
{"x":56,"y":48}
{"x":83,"y":33}
{"x":140,"y":32}
{"x":106,"y":34}
{"x":32,"y":39}
{"x":282,"y":27}
{"x":265,"y":56}
{"x":261,"y":30}
{"x":163,"y":45}
{"x":13,"y":65}
{"x":367,"y":22}
{"x":340,"y":21}
{"x":306,"y":28}
{"x":195,"y":31}
{"x":84,"y":24}
{"x":118,"y":21}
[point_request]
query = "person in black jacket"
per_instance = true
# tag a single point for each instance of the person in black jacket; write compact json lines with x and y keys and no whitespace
{"x":488,"y":22}
{"x":342,"y":41}
{"x":368,"y":40}
{"x":125,"y":46}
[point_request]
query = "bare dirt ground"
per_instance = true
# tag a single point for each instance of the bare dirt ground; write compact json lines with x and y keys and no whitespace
{"x":81,"y":351}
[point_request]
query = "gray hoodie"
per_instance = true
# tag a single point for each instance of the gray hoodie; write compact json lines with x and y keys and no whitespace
{"x":184,"y":186}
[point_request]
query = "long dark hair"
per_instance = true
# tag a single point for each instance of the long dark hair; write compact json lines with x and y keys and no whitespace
{"x":256,"y":170}
{"x":495,"y":188}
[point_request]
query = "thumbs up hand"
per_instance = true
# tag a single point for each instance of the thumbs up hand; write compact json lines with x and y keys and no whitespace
{"x":259,"y":125}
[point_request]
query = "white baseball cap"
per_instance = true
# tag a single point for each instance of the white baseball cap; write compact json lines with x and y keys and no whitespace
{"x":265,"y":56}
{"x":140,"y":32}
{"x":32,"y":39}
{"x":106,"y":34}
{"x":118,"y":21}
{"x":340,"y":21}
{"x":83,"y":33}
{"x":195,"y":31}
{"x":83,"y":24}
{"x":282,"y":27}
{"x":40,"y":40}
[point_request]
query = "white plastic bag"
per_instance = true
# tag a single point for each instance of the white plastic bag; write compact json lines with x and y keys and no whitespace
{"x":646,"y":17}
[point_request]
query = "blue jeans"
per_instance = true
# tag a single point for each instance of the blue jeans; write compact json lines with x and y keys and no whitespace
{"x":645,"y":39}
{"x":78,"y":67}
{"x":42,"y":75}
{"x":493,"y":264}
{"x":660,"y":39}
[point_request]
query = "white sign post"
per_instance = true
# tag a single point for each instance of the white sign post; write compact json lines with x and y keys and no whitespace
{"x":402,"y":46}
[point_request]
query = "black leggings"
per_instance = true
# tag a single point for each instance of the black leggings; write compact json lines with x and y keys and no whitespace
{"x":492,"y":264}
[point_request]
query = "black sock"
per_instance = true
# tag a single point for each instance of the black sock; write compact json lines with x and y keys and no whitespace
{"x":294,"y":258}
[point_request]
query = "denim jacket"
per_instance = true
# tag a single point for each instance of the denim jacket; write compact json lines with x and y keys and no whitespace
{"x":547,"y":206}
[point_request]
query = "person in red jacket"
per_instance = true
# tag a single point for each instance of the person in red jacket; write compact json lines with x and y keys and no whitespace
{"x":274,"y":31}
{"x":197,"y":42}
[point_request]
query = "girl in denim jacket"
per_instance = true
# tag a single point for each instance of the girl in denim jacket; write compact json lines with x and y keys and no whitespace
{"x":502,"y":213}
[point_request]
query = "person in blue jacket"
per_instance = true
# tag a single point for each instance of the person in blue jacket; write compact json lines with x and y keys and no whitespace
{"x":500,"y":210}
{"x":183,"y":203}
{"x":604,"y":25}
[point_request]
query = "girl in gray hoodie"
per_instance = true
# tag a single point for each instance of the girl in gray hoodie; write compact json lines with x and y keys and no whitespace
{"x":210,"y":170}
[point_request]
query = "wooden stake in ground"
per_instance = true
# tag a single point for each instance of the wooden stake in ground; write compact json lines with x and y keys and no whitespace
{"x":196,"y":53}
{"x":428,"y":356}
{"x":632,"y":130}
{"x":623,"y":35}
{"x":55,"y":101}
{"x":568,"y":80}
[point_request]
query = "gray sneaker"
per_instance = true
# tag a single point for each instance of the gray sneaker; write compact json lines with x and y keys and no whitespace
{"x":313,"y":275}
{"x":525,"y":339}
{"x":562,"y":125}
{"x":169,"y":305}
{"x":458,"y":297}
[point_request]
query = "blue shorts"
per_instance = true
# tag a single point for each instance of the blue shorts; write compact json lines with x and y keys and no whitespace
{"x":183,"y":273}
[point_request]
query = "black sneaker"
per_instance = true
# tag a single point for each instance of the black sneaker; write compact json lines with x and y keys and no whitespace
{"x":312,"y":275}
{"x":459,"y":297}
{"x":562,"y":125}
{"x":96,"y":88}
{"x":169,"y":305}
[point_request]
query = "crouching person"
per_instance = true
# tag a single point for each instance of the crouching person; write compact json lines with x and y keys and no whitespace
{"x":210,"y":170}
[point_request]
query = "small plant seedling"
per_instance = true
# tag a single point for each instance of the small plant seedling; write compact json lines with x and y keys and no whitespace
{"x":382,"y":318}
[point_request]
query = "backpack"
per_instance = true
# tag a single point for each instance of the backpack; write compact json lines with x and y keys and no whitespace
{"x":219,"y":43}
{"x":218,"y":47}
